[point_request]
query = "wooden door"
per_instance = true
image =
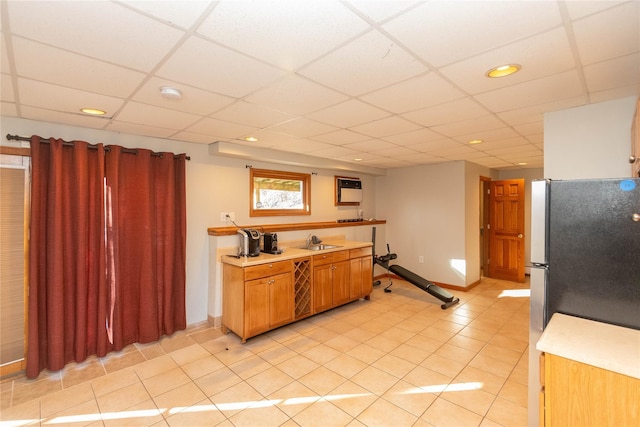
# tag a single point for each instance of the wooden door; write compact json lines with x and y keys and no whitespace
{"x":506,"y":230}
{"x":281,"y":295}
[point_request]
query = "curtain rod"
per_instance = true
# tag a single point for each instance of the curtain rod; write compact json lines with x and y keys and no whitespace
{"x":46,"y":141}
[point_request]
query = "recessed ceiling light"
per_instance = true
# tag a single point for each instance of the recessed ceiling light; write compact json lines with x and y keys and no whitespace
{"x":503,"y":70}
{"x":170,"y":92}
{"x":93,"y":111}
{"x":358,"y":159}
{"x":251,"y":139}
{"x":522,"y":164}
{"x":476,"y":141}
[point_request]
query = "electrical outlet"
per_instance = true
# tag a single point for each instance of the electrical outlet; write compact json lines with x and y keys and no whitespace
{"x":421,"y":259}
{"x":232,"y":216}
{"x":223,"y":216}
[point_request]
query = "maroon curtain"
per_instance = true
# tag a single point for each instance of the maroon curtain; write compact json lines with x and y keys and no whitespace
{"x":90,"y":294}
{"x":67,"y":292}
{"x":147,"y":210}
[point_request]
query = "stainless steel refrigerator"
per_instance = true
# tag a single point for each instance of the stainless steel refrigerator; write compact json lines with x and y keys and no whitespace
{"x":585,"y":255}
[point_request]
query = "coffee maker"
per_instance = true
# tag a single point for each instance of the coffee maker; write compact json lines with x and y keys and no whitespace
{"x":249,"y":242}
{"x":270,"y":243}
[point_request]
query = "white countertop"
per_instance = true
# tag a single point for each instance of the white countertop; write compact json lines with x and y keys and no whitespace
{"x":291,"y":253}
{"x":598,"y":344}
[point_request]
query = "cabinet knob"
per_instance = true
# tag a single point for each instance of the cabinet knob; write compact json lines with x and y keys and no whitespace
{"x":636,"y":217}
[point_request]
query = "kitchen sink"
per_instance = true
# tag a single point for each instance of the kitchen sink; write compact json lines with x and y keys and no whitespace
{"x":319,"y":247}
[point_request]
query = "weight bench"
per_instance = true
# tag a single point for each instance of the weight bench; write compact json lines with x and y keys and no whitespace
{"x":415,"y":280}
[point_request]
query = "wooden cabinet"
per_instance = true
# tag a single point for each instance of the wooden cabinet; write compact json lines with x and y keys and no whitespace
{"x":361,"y":273}
{"x":330,"y":280}
{"x":257,"y":298}
{"x":578,"y":394}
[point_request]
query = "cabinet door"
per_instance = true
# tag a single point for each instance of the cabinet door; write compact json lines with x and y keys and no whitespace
{"x":281,"y":299}
{"x":322,"y":288}
{"x":355,"y":287}
{"x":361,"y":279}
{"x":256,"y":307}
{"x":340,"y":276}
{"x":367,"y":276}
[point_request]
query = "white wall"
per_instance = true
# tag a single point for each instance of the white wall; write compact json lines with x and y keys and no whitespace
{"x":214,"y":184}
{"x":592,"y":141}
{"x":425,"y":211}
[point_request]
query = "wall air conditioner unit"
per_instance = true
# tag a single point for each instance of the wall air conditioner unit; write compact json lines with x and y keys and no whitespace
{"x":349,"y":190}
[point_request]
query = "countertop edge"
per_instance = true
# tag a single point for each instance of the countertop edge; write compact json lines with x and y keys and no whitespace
{"x":291,"y":253}
{"x":611,"y":347}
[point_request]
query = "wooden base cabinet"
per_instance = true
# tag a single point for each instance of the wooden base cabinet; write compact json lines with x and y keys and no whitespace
{"x":258,"y":298}
{"x":361,"y":273}
{"x":330,"y":280}
{"x":577,"y":394}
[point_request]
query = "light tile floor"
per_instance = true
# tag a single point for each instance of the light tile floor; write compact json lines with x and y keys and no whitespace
{"x":396,"y":360}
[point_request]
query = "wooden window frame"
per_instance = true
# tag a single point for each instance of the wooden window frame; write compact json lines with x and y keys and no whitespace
{"x":305,"y":179}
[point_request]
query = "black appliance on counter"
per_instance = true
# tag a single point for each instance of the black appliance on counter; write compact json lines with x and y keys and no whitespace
{"x":270,"y":243}
{"x":585,"y":255}
{"x":249,"y":243}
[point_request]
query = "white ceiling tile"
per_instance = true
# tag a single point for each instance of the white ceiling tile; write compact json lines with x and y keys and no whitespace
{"x":430,"y":146}
{"x":296,"y":95}
{"x":80,"y":26}
{"x":153,"y":116}
{"x":540,"y":55}
{"x":341,"y":137}
{"x":454,"y":111}
{"x":198,"y":138}
{"x":533,"y":128}
{"x":495,"y":144}
{"x":302,"y":128}
{"x":225,"y":130}
{"x":496,"y":134}
{"x":8,"y":109}
{"x":413,"y":137}
{"x":349,"y":113}
{"x":413,"y":94}
{"x":71,"y":119}
{"x":387,"y":126}
{"x":139,"y":129}
{"x":217,"y":69}
{"x":40,"y":62}
{"x":598,"y":40}
{"x":442,"y":32}
{"x":580,"y":9}
{"x":511,"y":149}
{"x":300,"y":145}
{"x":394,"y":151}
{"x":418,"y":158}
{"x":370,"y":145}
{"x":541,"y":91}
{"x":291,"y":32}
{"x":4,"y":58}
{"x":617,"y":93}
{"x":468,"y":126}
{"x":619,"y":72}
{"x":535,"y":112}
{"x":193,"y":100}
{"x":251,"y":114}
{"x":6,"y":88}
{"x":368,"y":63}
{"x":180,"y":13}
{"x":379,"y":10}
{"x":52,"y":97}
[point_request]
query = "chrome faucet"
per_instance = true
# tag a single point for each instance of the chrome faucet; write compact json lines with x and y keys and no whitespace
{"x":312,"y":239}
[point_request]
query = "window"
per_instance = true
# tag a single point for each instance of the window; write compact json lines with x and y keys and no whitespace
{"x":274,"y":193}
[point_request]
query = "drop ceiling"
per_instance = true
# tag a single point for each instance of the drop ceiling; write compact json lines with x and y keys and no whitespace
{"x":393,"y":83}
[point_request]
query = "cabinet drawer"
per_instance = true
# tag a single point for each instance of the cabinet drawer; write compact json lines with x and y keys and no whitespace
{"x":360,"y":252}
{"x":268,"y":269}
{"x":330,"y":257}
